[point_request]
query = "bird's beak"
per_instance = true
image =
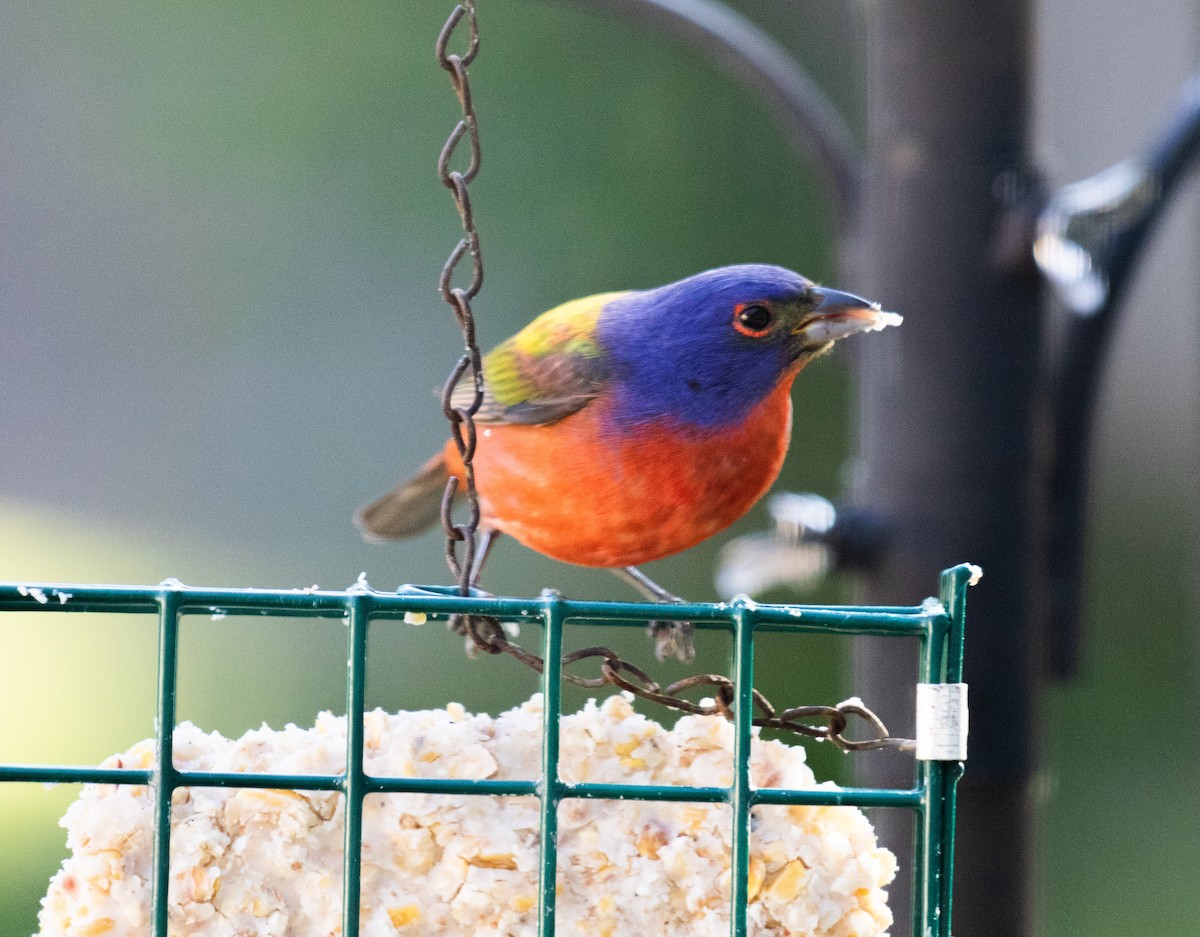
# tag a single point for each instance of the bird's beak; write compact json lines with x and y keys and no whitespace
{"x":839,"y":314}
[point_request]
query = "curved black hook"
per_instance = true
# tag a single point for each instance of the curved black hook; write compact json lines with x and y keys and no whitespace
{"x":761,"y":62}
{"x":1090,"y":238}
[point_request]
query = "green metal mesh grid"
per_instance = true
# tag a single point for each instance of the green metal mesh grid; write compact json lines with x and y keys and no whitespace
{"x":938,"y":628}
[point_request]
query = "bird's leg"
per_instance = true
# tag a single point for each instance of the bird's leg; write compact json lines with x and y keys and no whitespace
{"x":671,"y":638}
{"x":483,"y":547}
{"x":644,"y":585}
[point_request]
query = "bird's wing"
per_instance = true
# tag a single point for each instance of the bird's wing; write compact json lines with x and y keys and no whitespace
{"x":547,"y":371}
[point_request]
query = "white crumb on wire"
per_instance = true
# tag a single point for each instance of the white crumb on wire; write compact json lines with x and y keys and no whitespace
{"x":976,"y":574}
{"x":933,"y":606}
{"x":39,"y":595}
{"x":268,"y":863}
{"x":34,"y":593}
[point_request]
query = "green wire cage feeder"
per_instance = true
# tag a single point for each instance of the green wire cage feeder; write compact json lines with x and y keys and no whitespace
{"x":937,"y":626}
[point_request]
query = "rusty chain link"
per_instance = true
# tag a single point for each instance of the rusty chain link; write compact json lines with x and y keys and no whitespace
{"x":462,"y":419}
{"x":825,"y":723}
{"x":485,"y":633}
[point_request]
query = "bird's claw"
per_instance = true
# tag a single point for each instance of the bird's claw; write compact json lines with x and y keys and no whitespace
{"x":672,"y":639}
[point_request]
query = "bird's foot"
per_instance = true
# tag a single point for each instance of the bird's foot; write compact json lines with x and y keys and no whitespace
{"x":672,"y":639}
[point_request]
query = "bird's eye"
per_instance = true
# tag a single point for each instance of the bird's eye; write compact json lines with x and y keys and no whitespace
{"x":753,"y":319}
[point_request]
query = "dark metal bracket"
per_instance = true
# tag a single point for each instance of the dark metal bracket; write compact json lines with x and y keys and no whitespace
{"x":1090,"y":238}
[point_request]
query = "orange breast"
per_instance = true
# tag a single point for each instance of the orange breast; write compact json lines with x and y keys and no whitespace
{"x":572,"y":491}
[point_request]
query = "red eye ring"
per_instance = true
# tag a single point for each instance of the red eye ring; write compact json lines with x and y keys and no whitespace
{"x":754,"y":320}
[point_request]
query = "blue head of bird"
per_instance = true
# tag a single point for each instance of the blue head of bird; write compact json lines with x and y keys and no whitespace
{"x":703,"y":351}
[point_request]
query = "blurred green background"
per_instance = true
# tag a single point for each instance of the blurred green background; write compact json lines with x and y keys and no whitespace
{"x":220,"y":238}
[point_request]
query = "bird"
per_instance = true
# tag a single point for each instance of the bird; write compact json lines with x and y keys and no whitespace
{"x":625,"y":427}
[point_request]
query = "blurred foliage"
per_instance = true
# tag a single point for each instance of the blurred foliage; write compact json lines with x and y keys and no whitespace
{"x":1120,"y":803}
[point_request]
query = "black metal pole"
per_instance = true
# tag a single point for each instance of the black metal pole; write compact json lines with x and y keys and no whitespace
{"x":948,"y":408}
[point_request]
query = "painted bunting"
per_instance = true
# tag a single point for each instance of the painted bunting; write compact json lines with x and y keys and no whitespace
{"x":624,"y":427}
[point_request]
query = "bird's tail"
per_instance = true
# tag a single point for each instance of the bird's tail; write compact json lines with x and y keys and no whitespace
{"x":409,"y":508}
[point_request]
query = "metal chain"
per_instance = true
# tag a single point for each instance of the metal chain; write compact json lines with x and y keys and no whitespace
{"x":462,"y":419}
{"x":486,"y":634}
{"x":828,"y":723}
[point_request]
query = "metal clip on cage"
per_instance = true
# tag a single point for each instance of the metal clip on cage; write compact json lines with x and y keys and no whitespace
{"x":938,"y":627}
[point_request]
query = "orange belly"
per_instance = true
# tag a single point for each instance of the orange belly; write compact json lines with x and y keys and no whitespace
{"x":576,"y":492}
